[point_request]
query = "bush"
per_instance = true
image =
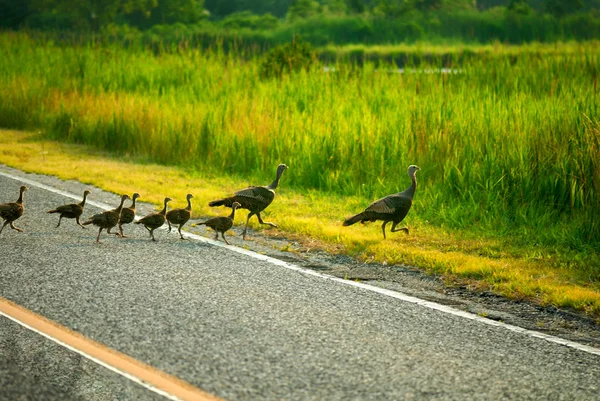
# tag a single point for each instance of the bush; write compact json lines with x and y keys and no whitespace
{"x":288,"y":58}
{"x":245,"y":19}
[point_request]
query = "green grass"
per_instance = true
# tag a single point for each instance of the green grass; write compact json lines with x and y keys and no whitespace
{"x":508,"y":148}
{"x":450,"y":55}
{"x":509,"y":145}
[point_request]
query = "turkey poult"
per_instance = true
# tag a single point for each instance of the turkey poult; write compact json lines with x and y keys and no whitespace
{"x":127,"y":214}
{"x":108,"y":219}
{"x":221,"y":224}
{"x":154,"y":220}
{"x":11,"y":211}
{"x":71,"y":210}
{"x":180,"y":216}
{"x":255,"y":199}
{"x":392,"y":208}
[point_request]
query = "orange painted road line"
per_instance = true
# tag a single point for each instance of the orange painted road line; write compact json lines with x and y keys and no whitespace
{"x":149,"y":377}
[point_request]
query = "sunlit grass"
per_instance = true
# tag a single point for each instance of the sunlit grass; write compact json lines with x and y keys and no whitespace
{"x":509,"y":144}
{"x":509,"y":147}
{"x":547,"y":275}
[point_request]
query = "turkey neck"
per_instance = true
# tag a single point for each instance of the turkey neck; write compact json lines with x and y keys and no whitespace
{"x":82,"y":203}
{"x":20,"y":200}
{"x":121,"y":205}
{"x":189,"y":206}
{"x":164,"y":210}
{"x":132,"y":203}
{"x":275,"y":183}
{"x":232,"y":215}
{"x":410,"y":191}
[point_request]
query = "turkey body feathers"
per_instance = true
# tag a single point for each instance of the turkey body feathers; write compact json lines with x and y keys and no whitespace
{"x":154,"y":220}
{"x":71,"y":210}
{"x":180,"y":216}
{"x":221,"y":223}
{"x":254,"y":198}
{"x":392,"y":208}
{"x":108,"y":219}
{"x":177,"y":216}
{"x":11,"y":211}
{"x":127,"y":214}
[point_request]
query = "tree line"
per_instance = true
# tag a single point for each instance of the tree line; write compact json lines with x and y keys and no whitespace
{"x":414,"y":19}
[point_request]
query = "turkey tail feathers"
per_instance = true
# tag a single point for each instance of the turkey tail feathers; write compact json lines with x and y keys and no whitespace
{"x":221,"y":202}
{"x":354,"y":219}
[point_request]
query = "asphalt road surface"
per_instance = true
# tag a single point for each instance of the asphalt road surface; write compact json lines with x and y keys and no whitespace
{"x":244,"y":328}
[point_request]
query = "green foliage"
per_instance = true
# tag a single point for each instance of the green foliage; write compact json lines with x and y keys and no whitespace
{"x":425,"y":5}
{"x":97,"y":14}
{"x":13,"y":13}
{"x":221,"y":8}
{"x":356,"y":6}
{"x":92,"y":13}
{"x":173,"y":11}
{"x":560,"y":8}
{"x":509,"y":144}
{"x":56,"y":22}
{"x":440,"y":26}
{"x":288,"y":58}
{"x":265,"y":23}
{"x":302,"y":9}
{"x":335,"y":7}
{"x":245,"y":19}
{"x":519,"y":7}
{"x":392,"y":8}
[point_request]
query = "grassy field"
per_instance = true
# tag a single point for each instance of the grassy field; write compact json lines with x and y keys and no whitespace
{"x":509,"y":148}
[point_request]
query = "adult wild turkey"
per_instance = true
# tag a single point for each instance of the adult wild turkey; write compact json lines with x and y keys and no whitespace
{"x":108,"y":219}
{"x":255,"y":199}
{"x":127,"y":214}
{"x":221,"y":223}
{"x":13,"y":210}
{"x":154,"y":220}
{"x":180,"y":216}
{"x":71,"y":210}
{"x":392,"y":208}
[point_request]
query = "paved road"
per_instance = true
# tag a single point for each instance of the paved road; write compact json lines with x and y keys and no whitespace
{"x":246,"y":329}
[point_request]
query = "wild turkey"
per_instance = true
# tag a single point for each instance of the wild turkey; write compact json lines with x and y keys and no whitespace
{"x":392,"y":208}
{"x":11,"y":211}
{"x":154,"y":220}
{"x":127,"y":214}
{"x":221,"y":224}
{"x":71,"y":210}
{"x":255,"y":199}
{"x":108,"y":219}
{"x":180,"y":216}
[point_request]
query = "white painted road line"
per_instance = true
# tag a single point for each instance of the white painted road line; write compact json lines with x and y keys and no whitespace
{"x":390,"y":293}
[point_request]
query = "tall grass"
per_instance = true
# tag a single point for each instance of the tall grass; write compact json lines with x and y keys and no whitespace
{"x":510,"y":145}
